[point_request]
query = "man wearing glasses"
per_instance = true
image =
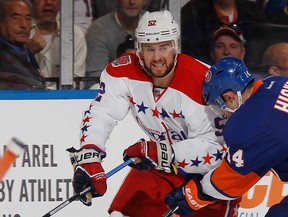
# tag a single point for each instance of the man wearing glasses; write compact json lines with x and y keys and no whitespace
{"x":18,"y":67}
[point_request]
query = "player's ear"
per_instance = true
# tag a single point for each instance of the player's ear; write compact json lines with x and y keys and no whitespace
{"x":273,"y":70}
{"x":230,"y":98}
{"x":141,"y":55}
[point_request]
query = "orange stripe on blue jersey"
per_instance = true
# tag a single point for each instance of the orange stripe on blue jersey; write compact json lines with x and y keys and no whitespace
{"x":230,"y":183}
{"x":257,"y":84}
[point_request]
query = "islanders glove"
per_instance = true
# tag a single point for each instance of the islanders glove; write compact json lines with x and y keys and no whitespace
{"x":151,"y":155}
{"x":188,"y":198}
{"x":279,"y":209}
{"x":88,"y":171}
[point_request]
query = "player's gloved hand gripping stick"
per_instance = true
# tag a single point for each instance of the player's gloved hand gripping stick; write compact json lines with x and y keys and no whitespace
{"x":87,"y":189}
{"x":151,"y":155}
{"x":88,"y":171}
{"x":187,"y":199}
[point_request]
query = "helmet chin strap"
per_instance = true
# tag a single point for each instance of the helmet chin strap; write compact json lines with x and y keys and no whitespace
{"x":239,"y":96}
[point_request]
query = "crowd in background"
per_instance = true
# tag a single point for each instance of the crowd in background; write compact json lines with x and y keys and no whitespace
{"x":30,"y":58}
{"x":104,"y":30}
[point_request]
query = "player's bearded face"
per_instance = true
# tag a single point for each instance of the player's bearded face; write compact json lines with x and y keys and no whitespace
{"x":158,"y":58}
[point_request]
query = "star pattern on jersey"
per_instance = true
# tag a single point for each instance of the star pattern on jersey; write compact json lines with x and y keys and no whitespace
{"x":195,"y":162}
{"x":87,"y":112}
{"x":182,"y":116}
{"x":175,"y":114}
{"x":164,"y":114}
{"x":218,"y":155}
{"x":182,"y":164}
{"x":207,"y":158}
{"x":83,"y":137}
{"x":85,"y":128}
{"x":142,"y":108}
{"x":235,"y":211}
{"x":155,"y":112}
{"x":224,"y":149}
{"x":131,"y":100}
{"x":86,"y":120}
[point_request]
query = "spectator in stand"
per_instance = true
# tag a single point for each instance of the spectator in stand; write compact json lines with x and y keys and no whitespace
{"x":127,"y":47}
{"x":18,"y":67}
{"x":228,"y":40}
{"x":48,"y":25}
{"x":275,"y":58}
{"x":275,"y":28}
{"x":101,"y":8}
{"x":106,"y":33}
{"x":199,"y":19}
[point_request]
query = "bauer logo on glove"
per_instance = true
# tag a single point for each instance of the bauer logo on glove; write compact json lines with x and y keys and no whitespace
{"x":86,"y":156}
{"x":152,"y":155}
{"x":88,"y":171}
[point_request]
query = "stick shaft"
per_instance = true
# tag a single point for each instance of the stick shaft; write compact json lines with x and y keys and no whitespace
{"x":75,"y":196}
{"x":120,"y":167}
{"x":170,"y":211}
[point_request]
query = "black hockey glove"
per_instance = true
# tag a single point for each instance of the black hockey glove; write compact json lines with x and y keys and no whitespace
{"x":188,"y":198}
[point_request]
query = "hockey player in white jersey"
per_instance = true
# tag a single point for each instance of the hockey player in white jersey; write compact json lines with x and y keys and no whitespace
{"x":162,"y":89}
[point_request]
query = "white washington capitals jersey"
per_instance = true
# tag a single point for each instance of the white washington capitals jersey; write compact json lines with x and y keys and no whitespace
{"x":178,"y":116}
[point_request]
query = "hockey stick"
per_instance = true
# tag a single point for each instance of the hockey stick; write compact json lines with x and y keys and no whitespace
{"x":170,"y":211}
{"x":14,"y":149}
{"x":75,"y":196}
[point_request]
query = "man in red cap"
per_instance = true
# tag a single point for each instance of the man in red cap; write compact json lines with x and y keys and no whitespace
{"x":228,"y":40}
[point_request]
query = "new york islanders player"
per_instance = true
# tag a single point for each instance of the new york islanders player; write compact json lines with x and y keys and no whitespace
{"x":162,"y":90}
{"x":255,"y":134}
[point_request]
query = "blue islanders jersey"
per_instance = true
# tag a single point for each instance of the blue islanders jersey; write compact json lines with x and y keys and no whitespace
{"x":257,"y":139}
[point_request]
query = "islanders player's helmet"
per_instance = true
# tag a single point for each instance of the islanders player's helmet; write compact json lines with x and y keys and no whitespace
{"x":158,"y":26}
{"x":229,"y":73}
